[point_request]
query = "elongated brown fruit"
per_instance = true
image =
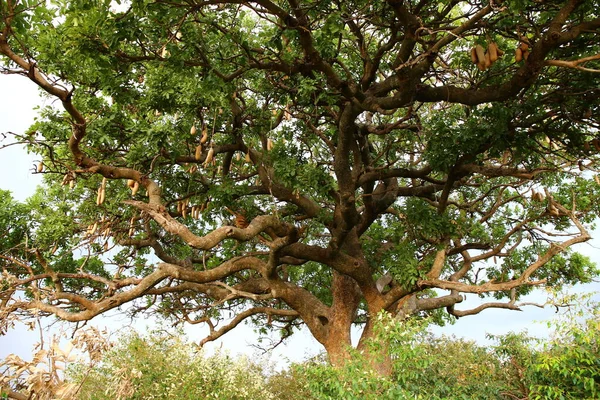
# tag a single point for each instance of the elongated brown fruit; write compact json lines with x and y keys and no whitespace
{"x":518,"y":55}
{"x":209,"y":157}
{"x":525,"y":54}
{"x":493,"y":52}
{"x":539,"y":197}
{"x":135,"y":188}
{"x":130,"y":183}
{"x":474,"y":55}
{"x":204,"y":137}
{"x":248,"y":159}
{"x":40,"y":167}
{"x":198,"y":152}
{"x":480,"y":55}
{"x":269,"y":145}
{"x":488,"y":60}
{"x":193,"y":130}
{"x":102,"y":195}
{"x":99,"y":196}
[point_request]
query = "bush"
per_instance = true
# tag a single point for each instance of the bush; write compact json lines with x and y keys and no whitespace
{"x":162,"y":366}
{"x":159,"y":366}
{"x":424,"y":367}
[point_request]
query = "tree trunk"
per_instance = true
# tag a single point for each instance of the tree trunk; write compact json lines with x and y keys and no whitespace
{"x":374,"y":350}
{"x":338,"y":344}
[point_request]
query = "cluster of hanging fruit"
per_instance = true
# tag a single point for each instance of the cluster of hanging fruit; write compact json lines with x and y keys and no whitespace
{"x":195,"y":211}
{"x":134,"y":186}
{"x":522,"y":52}
{"x":485,"y":58}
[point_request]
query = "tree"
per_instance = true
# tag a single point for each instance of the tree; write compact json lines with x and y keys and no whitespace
{"x":302,"y":162}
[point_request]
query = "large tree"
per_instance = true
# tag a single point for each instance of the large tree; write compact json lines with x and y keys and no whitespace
{"x":301,"y":162}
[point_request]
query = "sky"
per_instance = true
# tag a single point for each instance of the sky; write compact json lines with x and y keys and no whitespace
{"x":17,"y":102}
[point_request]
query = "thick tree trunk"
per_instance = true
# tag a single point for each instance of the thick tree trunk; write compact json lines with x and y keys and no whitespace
{"x":346,"y":298}
{"x":375,"y":352}
{"x":338,"y":344}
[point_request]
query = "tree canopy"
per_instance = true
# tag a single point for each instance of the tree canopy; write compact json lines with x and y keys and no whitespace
{"x":301,"y":162}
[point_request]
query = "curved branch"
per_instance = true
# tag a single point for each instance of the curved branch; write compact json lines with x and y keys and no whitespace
{"x":575,"y":63}
{"x":477,"y":310}
{"x":215,"y":334}
{"x":171,"y":225}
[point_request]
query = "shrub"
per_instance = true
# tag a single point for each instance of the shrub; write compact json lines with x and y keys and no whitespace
{"x":163,"y":366}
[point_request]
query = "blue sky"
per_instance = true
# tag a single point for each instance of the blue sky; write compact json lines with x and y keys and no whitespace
{"x":16,"y":166}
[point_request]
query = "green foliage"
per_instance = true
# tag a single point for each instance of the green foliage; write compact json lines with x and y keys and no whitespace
{"x":428,"y":367}
{"x":162,"y":366}
{"x":13,"y":220}
{"x":361,"y":132}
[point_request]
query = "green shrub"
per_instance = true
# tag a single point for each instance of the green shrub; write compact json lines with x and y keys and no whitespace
{"x":161,"y":366}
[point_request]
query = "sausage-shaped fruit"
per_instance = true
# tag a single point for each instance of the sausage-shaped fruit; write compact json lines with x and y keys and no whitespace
{"x":209,"y":157}
{"x":204,"y":137}
{"x":493,"y":52}
{"x":474,"y":55}
{"x":518,"y":55}
{"x":480,"y":55}
{"x":102,"y":195}
{"x":488,"y":60}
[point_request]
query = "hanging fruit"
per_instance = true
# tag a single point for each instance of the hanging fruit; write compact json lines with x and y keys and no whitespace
{"x":209,"y":157}
{"x":204,"y":137}
{"x":135,"y":188}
